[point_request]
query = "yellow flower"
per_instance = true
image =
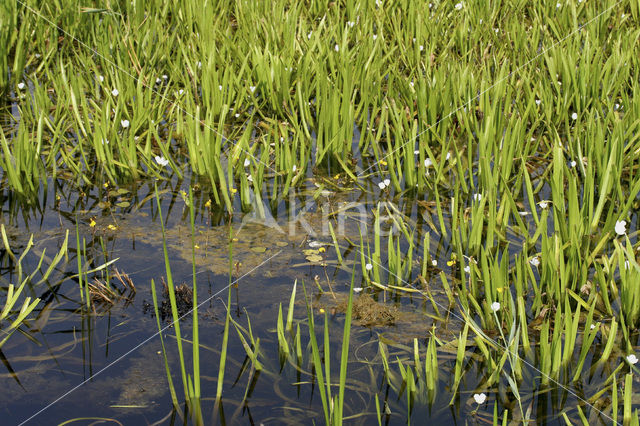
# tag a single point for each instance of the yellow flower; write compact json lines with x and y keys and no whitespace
{"x":384,"y":163}
{"x":233,"y":190}
{"x":112,"y":227}
{"x":106,"y":184}
{"x":321,"y":310}
{"x":208,"y":203}
{"x":235,"y":240}
{"x":451,"y":262}
{"x":321,"y":250}
{"x":500,"y":289}
{"x":196,"y":246}
{"x":92,"y":223}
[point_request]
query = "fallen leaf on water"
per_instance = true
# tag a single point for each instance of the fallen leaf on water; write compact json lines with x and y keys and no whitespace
{"x":314,"y":258}
{"x":258,"y":249}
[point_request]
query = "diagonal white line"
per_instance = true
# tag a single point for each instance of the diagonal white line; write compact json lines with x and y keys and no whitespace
{"x":429,"y":127}
{"x":138,"y":79}
{"x":148,"y":339}
{"x":495,"y":342}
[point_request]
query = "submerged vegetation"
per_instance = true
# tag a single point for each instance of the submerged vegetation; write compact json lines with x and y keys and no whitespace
{"x":446,"y":191}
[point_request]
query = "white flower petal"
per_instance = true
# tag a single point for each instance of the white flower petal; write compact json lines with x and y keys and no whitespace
{"x":161,"y":161}
{"x":495,"y":306}
{"x":621,"y":227}
{"x":115,"y":92}
{"x":480,"y":398}
{"x":124,"y":123}
{"x":368,"y":266}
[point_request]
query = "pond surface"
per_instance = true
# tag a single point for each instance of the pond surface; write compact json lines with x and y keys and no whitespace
{"x":107,"y":362}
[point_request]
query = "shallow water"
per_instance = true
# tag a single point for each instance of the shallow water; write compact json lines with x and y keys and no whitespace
{"x":108,"y":363}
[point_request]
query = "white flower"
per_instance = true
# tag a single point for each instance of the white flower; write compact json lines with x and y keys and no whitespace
{"x":105,"y":141}
{"x":572,"y":163}
{"x":294,"y":168}
{"x":124,"y":123}
{"x":428,"y":162}
{"x":626,"y":264}
{"x":495,"y":306}
{"x":538,"y":101}
{"x":101,"y":78}
{"x":496,"y":30}
{"x":632,"y":359}
{"x":416,"y":152}
{"x":458,"y":6}
{"x":309,"y":35}
{"x":20,"y":86}
{"x":337,"y":48}
{"x":616,"y":107}
{"x":165,"y":76}
{"x":158,"y":81}
{"x":246,"y":162}
{"x":375,"y":36}
{"x":220,"y":87}
{"x":480,"y":398}
{"x":252,"y":88}
{"x":467,"y":269}
{"x":180,"y":92}
{"x":199,"y":64}
{"x":543,"y":204}
{"x":434,"y":262}
{"x":621,"y":227}
{"x":368,"y":266}
{"x":477,"y":197}
{"x":161,"y":161}
{"x":250,"y":178}
{"x":411,"y":83}
{"x":379,"y":3}
{"x":381,"y":185}
{"x":115,"y":92}
{"x":448,"y":156}
{"x":350,"y":24}
{"x":387,"y":182}
{"x":421,"y":47}
{"x":535,"y":261}
{"x":592,"y":326}
{"x":357,"y":289}
{"x":237,"y":115}
{"x":574,"y":116}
